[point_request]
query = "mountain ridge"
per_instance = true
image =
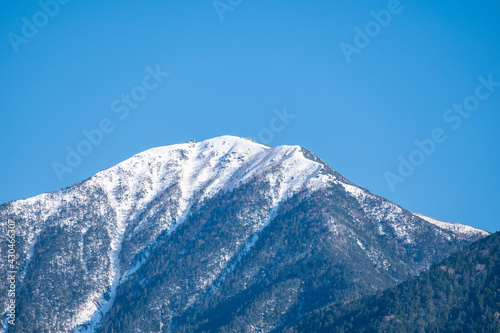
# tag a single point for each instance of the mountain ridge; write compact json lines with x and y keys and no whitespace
{"x":306,"y":153}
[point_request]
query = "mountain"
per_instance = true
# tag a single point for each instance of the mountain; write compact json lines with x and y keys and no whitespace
{"x":223,"y":235}
{"x":460,"y":294}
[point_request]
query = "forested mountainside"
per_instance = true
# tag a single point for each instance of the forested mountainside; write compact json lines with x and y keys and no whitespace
{"x":460,"y":294}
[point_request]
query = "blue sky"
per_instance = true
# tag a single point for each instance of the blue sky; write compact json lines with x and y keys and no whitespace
{"x":232,"y":68}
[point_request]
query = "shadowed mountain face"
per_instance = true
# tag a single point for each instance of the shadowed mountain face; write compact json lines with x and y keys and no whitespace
{"x":222,"y":235}
{"x":460,"y":294}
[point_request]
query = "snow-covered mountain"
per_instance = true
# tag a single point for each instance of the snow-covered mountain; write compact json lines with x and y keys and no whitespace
{"x":221,"y":235}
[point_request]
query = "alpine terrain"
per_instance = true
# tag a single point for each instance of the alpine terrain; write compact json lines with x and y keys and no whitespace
{"x":224,"y":235}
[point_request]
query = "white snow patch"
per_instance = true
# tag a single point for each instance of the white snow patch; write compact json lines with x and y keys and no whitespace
{"x":456,"y":228}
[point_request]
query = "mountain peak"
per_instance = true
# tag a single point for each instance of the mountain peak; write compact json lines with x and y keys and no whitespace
{"x":212,"y":165}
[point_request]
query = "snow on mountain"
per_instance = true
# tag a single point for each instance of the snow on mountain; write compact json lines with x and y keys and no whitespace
{"x":457,"y":228}
{"x":385,"y":210}
{"x":382,"y":210}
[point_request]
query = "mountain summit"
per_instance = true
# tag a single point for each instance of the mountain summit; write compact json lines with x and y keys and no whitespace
{"x":222,"y":235}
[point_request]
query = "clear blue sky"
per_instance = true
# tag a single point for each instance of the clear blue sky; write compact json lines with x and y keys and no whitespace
{"x":226,"y":77}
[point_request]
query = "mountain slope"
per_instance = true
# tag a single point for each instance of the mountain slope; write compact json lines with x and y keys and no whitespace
{"x":206,"y":235}
{"x":460,"y":294}
{"x":458,"y":229}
